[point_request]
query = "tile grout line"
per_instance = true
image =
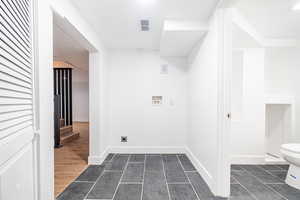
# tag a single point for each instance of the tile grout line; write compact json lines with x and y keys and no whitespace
{"x":94,"y":184}
{"x":268,"y":173}
{"x":125,"y":167}
{"x":143,"y":182}
{"x":98,"y":177}
{"x":265,"y":184}
{"x":112,"y":157}
{"x":275,"y":184}
{"x":128,"y":183}
{"x":276,"y":192}
{"x":232,"y":177}
{"x":249,"y":172}
{"x":163,"y":165}
{"x":74,"y":180}
{"x":239,"y":183}
{"x":187,"y":177}
{"x":84,"y":181}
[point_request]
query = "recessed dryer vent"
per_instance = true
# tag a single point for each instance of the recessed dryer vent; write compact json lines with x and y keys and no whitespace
{"x":145,"y":25}
{"x":279,"y":125}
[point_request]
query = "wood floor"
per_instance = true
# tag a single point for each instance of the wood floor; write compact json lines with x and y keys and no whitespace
{"x":71,"y":159}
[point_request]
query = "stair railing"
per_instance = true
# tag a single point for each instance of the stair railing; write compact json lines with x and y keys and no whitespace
{"x":57,"y":121}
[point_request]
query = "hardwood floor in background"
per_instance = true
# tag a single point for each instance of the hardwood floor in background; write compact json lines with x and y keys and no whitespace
{"x":71,"y":159}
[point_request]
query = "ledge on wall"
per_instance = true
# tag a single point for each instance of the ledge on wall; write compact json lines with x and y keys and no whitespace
{"x":179,"y":37}
{"x":271,"y":99}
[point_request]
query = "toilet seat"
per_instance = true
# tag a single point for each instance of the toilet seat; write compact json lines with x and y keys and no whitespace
{"x":294,"y":148}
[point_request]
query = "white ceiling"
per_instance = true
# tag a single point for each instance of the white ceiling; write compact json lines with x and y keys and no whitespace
{"x":118,"y":21}
{"x":272,"y":18}
{"x":67,"y":49}
{"x":186,"y":34}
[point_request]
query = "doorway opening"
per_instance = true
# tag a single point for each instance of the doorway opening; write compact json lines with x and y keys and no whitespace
{"x":71,"y":105}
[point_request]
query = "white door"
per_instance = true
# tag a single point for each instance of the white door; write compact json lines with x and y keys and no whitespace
{"x":17,"y":146}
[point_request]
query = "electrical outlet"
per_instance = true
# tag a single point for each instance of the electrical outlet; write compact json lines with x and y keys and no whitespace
{"x":123,"y":138}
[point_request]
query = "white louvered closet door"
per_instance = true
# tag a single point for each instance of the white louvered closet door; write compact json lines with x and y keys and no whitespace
{"x":17,"y":150}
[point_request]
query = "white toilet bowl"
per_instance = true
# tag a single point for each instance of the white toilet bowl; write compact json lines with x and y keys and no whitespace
{"x":291,"y":153}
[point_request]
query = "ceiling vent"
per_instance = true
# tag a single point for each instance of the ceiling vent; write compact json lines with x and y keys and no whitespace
{"x":144,"y":25}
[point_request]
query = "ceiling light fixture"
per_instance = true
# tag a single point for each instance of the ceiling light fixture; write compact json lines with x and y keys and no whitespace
{"x":297,"y":6}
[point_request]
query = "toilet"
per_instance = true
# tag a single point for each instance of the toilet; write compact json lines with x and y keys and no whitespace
{"x":291,"y":153}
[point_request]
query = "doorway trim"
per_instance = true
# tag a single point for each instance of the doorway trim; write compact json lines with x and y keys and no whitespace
{"x":224,"y":101}
{"x":95,"y":82}
{"x":66,"y":13}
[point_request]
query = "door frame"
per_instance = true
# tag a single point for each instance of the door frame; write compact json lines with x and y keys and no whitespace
{"x":44,"y":13}
{"x":224,"y":100}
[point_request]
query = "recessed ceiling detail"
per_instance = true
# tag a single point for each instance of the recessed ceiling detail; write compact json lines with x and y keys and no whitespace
{"x":117,"y":22}
{"x":179,"y":37}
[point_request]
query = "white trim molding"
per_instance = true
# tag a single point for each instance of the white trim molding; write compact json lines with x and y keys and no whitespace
{"x":95,"y":160}
{"x":98,"y":160}
{"x":147,"y":149}
{"x":248,"y":159}
{"x":200,"y":168}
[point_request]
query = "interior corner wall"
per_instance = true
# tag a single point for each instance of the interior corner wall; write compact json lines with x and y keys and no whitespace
{"x":134,"y":77}
{"x":203,"y":104}
{"x":282,"y":79}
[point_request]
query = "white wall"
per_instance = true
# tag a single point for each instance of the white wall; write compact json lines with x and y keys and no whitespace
{"x":80,"y":95}
{"x":134,"y":77}
{"x":203,"y":104}
{"x":248,"y":129}
{"x":282,"y":71}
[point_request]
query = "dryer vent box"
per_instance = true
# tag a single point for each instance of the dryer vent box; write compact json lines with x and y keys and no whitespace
{"x":157,"y":100}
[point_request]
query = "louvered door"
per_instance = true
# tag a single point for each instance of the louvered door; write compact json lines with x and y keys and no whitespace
{"x":17,"y":150}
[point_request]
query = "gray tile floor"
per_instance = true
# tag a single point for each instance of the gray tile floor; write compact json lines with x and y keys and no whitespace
{"x":261,"y":182}
{"x":172,"y":177}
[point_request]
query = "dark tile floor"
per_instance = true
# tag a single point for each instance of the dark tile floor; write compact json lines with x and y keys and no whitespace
{"x":261,"y":182}
{"x":172,"y":177}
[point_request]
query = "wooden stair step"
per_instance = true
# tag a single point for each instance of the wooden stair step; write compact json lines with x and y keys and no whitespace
{"x":62,"y":122}
{"x":66,"y":129}
{"x":68,"y":137}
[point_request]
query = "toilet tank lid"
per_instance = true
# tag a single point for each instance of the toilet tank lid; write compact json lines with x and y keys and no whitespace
{"x":291,"y":147}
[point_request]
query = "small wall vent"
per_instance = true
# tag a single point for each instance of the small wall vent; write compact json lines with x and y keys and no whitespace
{"x":145,"y":25}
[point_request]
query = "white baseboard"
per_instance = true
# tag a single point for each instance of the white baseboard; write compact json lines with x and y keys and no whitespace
{"x":201,"y":169}
{"x":145,"y":149}
{"x":248,"y":159}
{"x":98,"y":160}
{"x":95,"y":160}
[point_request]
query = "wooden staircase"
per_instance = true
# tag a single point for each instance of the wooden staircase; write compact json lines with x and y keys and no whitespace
{"x":66,"y":133}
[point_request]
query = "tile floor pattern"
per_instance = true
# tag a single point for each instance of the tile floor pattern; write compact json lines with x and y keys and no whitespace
{"x":173,"y":177}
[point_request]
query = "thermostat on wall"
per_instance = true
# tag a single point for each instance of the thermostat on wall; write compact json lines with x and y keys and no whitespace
{"x":157,"y":100}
